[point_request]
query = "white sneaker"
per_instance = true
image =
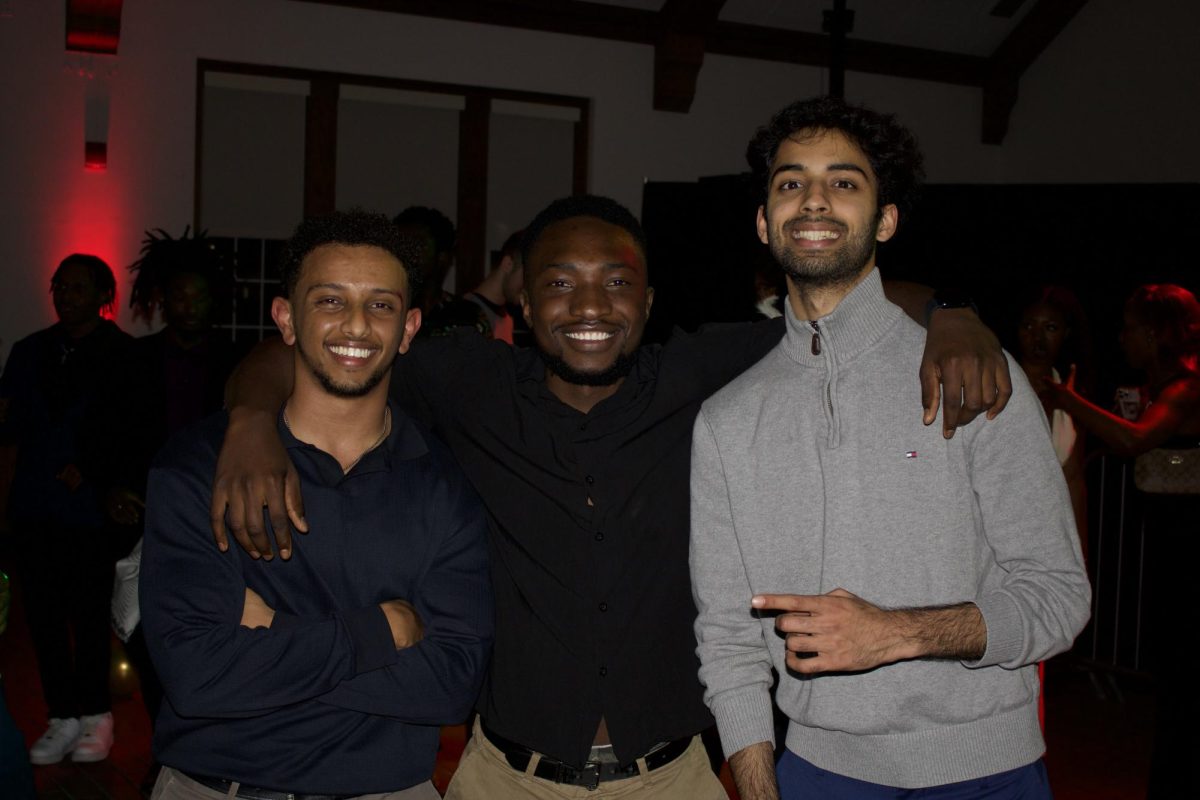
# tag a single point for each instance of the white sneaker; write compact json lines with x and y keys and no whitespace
{"x":58,"y":740}
{"x":96,"y":739}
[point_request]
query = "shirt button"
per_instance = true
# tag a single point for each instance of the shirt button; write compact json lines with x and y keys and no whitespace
{"x":604,"y":672}
{"x":604,"y":606}
{"x":583,"y":426}
{"x":599,"y":536}
{"x":589,"y":480}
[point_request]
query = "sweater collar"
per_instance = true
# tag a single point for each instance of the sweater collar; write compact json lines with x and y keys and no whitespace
{"x":858,"y":322}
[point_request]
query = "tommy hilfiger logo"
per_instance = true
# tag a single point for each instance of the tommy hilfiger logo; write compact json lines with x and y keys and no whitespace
{"x":911,"y":454}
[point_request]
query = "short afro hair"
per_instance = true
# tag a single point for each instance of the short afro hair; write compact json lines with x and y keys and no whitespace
{"x":891,"y":148}
{"x":582,"y":205}
{"x":438,"y":224}
{"x":100,"y":273}
{"x":355,"y":227}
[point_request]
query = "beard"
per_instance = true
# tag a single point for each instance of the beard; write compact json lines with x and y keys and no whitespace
{"x":611,"y":374}
{"x":345,"y":389}
{"x":829,"y":269}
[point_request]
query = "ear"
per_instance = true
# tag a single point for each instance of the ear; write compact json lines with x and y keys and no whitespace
{"x":525,"y":310}
{"x":649,"y":299}
{"x":762,"y":224}
{"x":889,"y":219}
{"x":281,"y":312}
{"x":412,"y":324}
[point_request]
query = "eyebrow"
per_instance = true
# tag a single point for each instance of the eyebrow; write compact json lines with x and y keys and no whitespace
{"x":840,"y":167}
{"x":342,"y":287}
{"x":574,"y":266}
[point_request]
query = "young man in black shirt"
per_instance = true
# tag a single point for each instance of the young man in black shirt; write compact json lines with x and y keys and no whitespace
{"x":378,"y":630}
{"x":581,"y":455}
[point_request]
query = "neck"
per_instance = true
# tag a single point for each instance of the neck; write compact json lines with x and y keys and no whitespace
{"x":492,"y":288}
{"x":186,"y":339}
{"x":581,"y":398}
{"x":82,"y":329}
{"x":344,"y":427}
{"x":810,"y":301}
{"x":1163,"y":371}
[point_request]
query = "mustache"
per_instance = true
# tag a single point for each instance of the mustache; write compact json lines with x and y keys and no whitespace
{"x":813,"y":220}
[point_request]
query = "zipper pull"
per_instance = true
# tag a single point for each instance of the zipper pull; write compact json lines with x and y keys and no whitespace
{"x":816,"y":339}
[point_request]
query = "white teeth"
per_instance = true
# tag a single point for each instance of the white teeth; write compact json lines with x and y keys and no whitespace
{"x":815,"y":236}
{"x":590,"y":336}
{"x":350,"y":352}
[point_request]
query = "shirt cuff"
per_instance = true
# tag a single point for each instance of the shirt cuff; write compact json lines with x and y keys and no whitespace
{"x":744,"y":718}
{"x":1005,"y":631}
{"x":371,"y":638}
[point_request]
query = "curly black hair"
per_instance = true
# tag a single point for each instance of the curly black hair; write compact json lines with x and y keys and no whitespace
{"x":163,"y":258}
{"x":353,"y":227}
{"x":582,"y":205}
{"x":438,"y":224}
{"x":891,"y":148}
{"x":100,"y":272}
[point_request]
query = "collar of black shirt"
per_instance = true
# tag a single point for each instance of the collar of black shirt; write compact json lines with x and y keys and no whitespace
{"x":404,"y":442}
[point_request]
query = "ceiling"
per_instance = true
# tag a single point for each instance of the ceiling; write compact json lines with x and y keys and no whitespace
{"x":970,"y":27}
{"x":986,"y":44}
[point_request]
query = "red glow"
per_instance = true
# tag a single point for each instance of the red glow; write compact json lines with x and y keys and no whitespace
{"x":93,"y":41}
{"x":95,"y":155}
{"x":90,"y":216}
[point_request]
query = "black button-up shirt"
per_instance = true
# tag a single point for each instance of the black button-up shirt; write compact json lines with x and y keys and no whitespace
{"x":321,"y":701}
{"x":589,"y":524}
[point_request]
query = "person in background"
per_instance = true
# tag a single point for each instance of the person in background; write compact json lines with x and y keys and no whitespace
{"x":16,"y":777}
{"x":1160,"y":337}
{"x":434,"y":235}
{"x":55,"y":385}
{"x":499,"y":295}
{"x":177,"y":377}
{"x":1053,"y":337}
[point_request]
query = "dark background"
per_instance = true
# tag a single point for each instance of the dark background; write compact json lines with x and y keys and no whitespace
{"x":997,"y":241}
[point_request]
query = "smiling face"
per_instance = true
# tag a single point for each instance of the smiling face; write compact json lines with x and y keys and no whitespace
{"x":586,"y":299}
{"x":188,"y":302}
{"x":348,"y":317}
{"x":821,"y":218}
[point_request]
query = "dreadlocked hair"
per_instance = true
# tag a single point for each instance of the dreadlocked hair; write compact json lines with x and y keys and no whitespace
{"x":163,"y":258}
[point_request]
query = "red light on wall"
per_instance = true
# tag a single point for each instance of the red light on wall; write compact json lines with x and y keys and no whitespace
{"x":95,"y":156}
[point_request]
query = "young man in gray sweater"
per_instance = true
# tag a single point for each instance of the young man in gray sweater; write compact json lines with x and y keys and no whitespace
{"x":901,"y":584}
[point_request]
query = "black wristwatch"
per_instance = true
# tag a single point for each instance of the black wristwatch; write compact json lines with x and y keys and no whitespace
{"x":949,"y":297}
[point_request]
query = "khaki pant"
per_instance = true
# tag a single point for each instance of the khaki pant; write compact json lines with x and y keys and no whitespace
{"x":174,"y":785}
{"x":484,"y":774}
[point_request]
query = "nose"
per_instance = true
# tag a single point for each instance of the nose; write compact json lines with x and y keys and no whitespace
{"x":815,"y":199}
{"x":354,"y":322}
{"x":590,"y":300}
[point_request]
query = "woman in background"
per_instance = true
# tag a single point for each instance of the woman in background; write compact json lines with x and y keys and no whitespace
{"x":1053,"y":339}
{"x":1161,"y":337}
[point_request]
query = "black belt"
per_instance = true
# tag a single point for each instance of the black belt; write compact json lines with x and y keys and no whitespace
{"x":256,"y":792}
{"x":593,"y":773}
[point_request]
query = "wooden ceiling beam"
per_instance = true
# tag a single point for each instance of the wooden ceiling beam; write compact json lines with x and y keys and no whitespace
{"x":683,"y":30}
{"x":1028,"y":40}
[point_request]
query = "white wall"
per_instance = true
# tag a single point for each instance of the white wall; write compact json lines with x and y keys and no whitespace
{"x":1114,"y":99}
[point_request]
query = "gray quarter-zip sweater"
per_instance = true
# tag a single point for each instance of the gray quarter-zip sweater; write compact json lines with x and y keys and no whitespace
{"x":813,"y":471}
